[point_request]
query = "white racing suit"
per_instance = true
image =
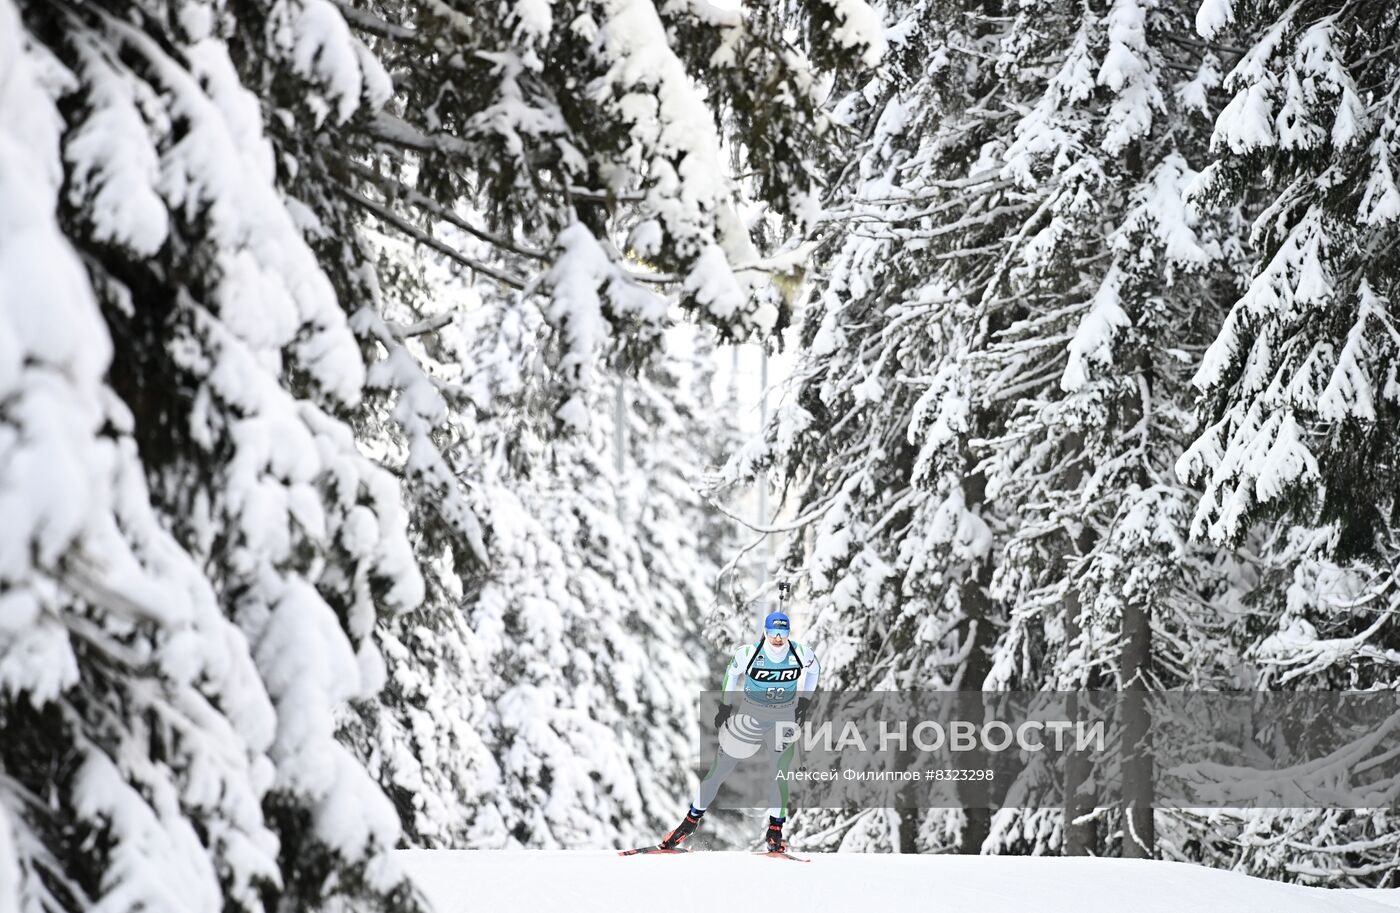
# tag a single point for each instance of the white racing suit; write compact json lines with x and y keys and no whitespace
{"x":763,"y":684}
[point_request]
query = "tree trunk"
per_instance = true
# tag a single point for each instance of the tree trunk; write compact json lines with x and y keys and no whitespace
{"x":909,"y":829}
{"x":1139,"y":833}
{"x":1135,"y":646}
{"x":1081,"y":838}
{"x":976,"y":607}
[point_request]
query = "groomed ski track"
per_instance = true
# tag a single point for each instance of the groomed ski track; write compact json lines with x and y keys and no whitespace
{"x":573,"y":881}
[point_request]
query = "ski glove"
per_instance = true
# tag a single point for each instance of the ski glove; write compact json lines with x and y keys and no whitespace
{"x":804,"y":707}
{"x":722,"y":715}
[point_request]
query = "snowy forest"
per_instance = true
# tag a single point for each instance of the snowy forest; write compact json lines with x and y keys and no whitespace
{"x":366,"y":479}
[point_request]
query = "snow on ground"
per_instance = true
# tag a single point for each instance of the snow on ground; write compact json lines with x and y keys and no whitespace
{"x":702,"y":882}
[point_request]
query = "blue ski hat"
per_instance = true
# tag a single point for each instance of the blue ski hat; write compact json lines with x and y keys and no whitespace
{"x":777,"y":621}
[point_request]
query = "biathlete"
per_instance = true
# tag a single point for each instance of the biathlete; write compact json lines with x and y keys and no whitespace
{"x":766,"y":682}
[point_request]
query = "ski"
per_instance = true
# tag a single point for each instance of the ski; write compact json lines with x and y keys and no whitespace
{"x":776,"y":855}
{"x":649,"y":850}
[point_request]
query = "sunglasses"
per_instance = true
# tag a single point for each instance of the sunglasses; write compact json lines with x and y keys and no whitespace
{"x":777,"y":632}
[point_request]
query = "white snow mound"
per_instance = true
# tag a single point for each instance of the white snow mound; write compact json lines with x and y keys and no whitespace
{"x":702,"y":882}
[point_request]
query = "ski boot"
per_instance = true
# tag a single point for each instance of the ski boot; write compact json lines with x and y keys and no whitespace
{"x":774,"y":839}
{"x":683,"y":830}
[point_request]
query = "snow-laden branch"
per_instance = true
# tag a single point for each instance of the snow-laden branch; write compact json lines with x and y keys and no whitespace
{"x":368,"y":22}
{"x":414,"y":198}
{"x":388,"y":217}
{"x":427,"y":325}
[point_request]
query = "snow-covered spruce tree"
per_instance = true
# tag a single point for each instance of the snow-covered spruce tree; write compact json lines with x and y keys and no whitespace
{"x":1301,"y":395}
{"x":995,"y":389}
{"x":111,"y":641}
{"x":1110,"y":288}
{"x":203,"y":606}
